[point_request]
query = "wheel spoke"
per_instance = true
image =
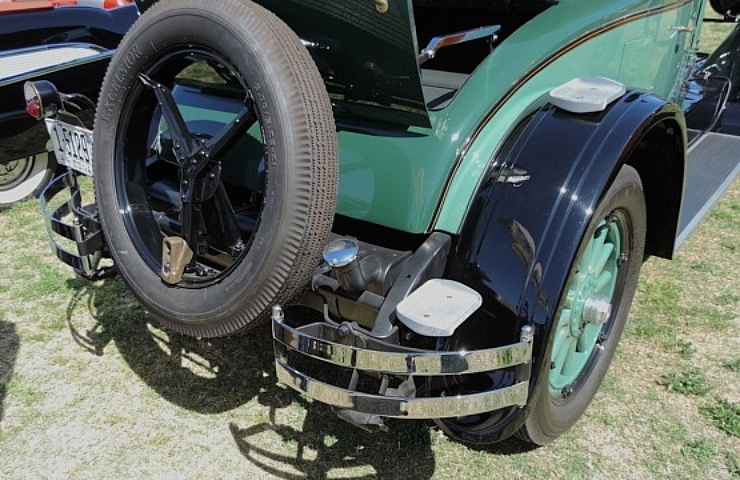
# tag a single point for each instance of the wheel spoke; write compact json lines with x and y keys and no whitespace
{"x":564,"y":344}
{"x":183,"y":144}
{"x":221,"y":222}
{"x":602,"y":256}
{"x":603,"y":284}
{"x":232,"y":132}
{"x":588,"y":337}
{"x":573,"y":363}
{"x":590,"y":257}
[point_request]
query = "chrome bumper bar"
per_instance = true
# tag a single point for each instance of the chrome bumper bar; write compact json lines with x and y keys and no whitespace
{"x":321,"y":341}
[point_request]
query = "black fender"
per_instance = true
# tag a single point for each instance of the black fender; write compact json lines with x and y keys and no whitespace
{"x":530,"y":214}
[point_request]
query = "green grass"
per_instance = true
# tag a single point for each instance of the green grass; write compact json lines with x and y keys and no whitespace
{"x":733,"y":464}
{"x":732,"y":365}
{"x":91,"y":374}
{"x":701,"y":450}
{"x":685,"y":349}
{"x":689,"y":382}
{"x":725,"y":415}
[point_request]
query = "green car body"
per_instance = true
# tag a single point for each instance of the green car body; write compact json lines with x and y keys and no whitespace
{"x":425,"y":179}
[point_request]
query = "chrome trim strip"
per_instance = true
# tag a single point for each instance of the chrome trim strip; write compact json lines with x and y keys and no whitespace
{"x":402,"y":407}
{"x":321,"y":341}
{"x":102,"y":54}
{"x":436,"y":43}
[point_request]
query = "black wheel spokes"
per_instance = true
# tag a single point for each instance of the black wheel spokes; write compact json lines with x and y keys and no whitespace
{"x":206,"y":215}
{"x":232,"y":132}
{"x":185,"y":147}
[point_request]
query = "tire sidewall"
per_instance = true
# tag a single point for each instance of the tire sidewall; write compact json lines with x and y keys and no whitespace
{"x":43,"y":166}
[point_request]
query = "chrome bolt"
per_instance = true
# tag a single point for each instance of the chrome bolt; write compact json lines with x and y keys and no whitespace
{"x":344,"y":330}
{"x":527,"y":333}
{"x":567,"y":391}
{"x":623,"y":258}
{"x":597,"y":310}
{"x":277,"y":313}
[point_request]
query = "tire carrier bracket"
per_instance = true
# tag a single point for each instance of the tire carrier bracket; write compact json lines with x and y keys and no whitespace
{"x":200,"y":181}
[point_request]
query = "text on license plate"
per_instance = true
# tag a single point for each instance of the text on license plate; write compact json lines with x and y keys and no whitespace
{"x":72,"y":145}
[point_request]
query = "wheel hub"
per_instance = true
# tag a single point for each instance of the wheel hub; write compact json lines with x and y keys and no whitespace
{"x":597,"y":310}
{"x":14,"y":172}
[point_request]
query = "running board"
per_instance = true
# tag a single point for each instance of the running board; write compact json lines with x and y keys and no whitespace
{"x":714,"y":162}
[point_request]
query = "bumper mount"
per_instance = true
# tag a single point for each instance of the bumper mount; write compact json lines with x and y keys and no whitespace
{"x":76,"y":223}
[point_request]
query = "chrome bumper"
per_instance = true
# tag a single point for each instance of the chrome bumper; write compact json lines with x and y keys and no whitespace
{"x":329,"y":343}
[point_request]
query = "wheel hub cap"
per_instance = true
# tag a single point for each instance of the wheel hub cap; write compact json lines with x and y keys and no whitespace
{"x":14,"y":172}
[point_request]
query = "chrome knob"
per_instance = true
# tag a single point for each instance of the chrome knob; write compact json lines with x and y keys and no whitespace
{"x":342,"y":252}
{"x":597,"y":310}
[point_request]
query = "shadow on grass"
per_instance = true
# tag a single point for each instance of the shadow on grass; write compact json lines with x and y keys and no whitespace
{"x":9,"y":345}
{"x":203,"y":375}
{"x":217,"y":375}
{"x":327,"y":446}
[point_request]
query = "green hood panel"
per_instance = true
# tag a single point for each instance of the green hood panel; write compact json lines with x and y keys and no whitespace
{"x":366,"y":52}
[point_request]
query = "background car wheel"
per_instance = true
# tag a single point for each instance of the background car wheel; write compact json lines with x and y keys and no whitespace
{"x":592,"y":311}
{"x":25,"y":177}
{"x":214,"y":127}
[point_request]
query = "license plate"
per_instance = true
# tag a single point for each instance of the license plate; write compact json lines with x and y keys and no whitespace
{"x":72,"y":145}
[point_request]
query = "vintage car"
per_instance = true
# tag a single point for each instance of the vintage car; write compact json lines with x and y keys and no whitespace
{"x":69,"y":42}
{"x":441,"y":206}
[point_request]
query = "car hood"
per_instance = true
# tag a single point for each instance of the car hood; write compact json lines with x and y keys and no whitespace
{"x":367,"y":54}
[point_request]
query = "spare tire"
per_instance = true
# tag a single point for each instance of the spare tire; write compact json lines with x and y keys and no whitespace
{"x":214,"y":127}
{"x":726,"y":7}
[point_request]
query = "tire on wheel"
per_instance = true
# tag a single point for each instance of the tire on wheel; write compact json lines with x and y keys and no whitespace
{"x":227,"y":66}
{"x":592,"y":311}
{"x":25,"y":178}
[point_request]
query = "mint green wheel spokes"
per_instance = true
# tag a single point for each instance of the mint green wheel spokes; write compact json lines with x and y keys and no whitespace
{"x":589,"y":300}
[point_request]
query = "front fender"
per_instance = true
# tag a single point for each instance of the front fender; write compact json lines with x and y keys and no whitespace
{"x":529,"y":216}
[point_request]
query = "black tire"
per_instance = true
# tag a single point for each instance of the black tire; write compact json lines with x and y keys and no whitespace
{"x":555,"y":406}
{"x":724,"y":7}
{"x":25,"y":178}
{"x":284,"y":222}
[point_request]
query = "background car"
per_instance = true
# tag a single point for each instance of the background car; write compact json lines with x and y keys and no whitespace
{"x":65,"y":41}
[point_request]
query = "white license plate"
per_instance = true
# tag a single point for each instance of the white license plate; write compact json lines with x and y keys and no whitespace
{"x":72,"y":145}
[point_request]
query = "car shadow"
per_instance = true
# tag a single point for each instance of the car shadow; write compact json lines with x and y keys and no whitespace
{"x":202,"y":375}
{"x":217,"y":375}
{"x":326,"y":446}
{"x":9,"y":345}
